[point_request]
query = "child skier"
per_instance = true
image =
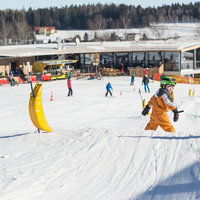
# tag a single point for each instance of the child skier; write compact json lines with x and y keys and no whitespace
{"x":145,"y":81}
{"x":161,"y":102}
{"x":108,"y":89}
{"x":132,"y":79}
{"x":69,"y":84}
{"x":146,"y":71}
{"x":12,"y":80}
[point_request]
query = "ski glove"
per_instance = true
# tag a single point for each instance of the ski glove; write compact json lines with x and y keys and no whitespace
{"x":176,"y":115}
{"x":146,"y":110}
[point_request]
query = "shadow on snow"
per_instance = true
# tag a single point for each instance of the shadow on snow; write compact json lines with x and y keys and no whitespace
{"x":16,"y":135}
{"x":185,"y":184}
{"x":163,"y":137}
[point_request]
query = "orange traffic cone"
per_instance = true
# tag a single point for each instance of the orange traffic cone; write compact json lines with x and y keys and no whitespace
{"x":120,"y":92}
{"x":52,"y":97}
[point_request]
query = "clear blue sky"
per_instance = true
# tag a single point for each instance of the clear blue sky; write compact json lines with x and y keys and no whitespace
{"x":34,"y":4}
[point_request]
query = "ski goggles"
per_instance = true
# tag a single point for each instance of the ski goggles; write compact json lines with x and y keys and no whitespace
{"x":169,"y":81}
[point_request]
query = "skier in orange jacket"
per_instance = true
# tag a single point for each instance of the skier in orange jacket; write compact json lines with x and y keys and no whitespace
{"x":161,"y":102}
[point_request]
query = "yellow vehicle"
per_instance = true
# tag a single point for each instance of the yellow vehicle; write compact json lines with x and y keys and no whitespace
{"x":54,"y":67}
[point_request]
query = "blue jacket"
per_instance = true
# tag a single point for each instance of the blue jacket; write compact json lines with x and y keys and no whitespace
{"x":132,"y":78}
{"x":108,"y":87}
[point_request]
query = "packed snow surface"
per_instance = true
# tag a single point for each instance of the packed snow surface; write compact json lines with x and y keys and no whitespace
{"x":98,"y":149}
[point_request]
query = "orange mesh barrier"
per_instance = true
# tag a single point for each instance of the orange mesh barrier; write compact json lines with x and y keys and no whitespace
{"x":46,"y":77}
{"x":187,"y":80}
{"x":157,"y":76}
{"x":34,"y":78}
{"x":4,"y":81}
{"x":180,"y":79}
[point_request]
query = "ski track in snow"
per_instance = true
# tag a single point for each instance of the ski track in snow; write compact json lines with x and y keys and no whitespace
{"x":99,"y":149}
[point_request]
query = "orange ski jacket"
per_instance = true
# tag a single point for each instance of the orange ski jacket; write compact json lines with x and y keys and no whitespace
{"x":161,"y":102}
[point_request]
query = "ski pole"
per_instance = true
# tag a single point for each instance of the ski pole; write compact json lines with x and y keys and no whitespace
{"x":180,"y":111}
{"x":29,"y":73}
{"x":141,"y":97}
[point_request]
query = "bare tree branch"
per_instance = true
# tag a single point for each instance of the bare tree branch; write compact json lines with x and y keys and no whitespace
{"x":5,"y":29}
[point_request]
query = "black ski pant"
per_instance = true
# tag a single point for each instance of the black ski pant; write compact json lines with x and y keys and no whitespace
{"x":70,"y":93}
{"x":109,"y":92}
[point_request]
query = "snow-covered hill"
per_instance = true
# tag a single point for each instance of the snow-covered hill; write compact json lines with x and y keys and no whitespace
{"x":99,"y":149}
{"x":156,"y":31}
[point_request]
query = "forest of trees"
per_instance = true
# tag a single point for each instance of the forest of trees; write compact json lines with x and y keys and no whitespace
{"x":19,"y":24}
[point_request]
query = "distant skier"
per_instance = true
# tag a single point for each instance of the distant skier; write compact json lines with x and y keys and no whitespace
{"x":108,"y":89}
{"x":152,"y":78}
{"x":161,"y":102}
{"x":122,"y":69}
{"x":12,"y":80}
{"x":146,"y":71}
{"x":132,"y":79}
{"x":145,"y":81}
{"x":69,"y":84}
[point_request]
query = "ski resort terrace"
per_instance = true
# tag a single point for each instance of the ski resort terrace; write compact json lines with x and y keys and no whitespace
{"x":179,"y":57}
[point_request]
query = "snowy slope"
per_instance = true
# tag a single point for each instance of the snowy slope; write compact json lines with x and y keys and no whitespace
{"x":99,"y":149}
{"x":166,"y":30}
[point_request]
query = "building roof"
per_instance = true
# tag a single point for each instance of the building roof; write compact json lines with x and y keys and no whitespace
{"x":99,"y":47}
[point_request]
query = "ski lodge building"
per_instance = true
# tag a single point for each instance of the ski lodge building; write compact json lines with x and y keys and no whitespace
{"x":170,"y":57}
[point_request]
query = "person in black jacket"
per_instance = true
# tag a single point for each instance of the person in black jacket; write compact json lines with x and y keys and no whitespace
{"x":145,"y":81}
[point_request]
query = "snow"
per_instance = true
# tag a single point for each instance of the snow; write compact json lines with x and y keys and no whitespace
{"x":166,"y":30}
{"x":98,"y":149}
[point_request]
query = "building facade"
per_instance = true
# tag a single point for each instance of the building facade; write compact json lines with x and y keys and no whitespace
{"x":179,"y":57}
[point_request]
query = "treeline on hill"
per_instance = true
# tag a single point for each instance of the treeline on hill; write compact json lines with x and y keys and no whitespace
{"x":19,"y":24}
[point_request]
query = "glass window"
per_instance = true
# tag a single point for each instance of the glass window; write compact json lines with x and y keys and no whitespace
{"x":88,"y":59}
{"x":82,"y":59}
{"x":172,"y":61}
{"x":138,"y":59}
{"x":187,"y":60}
{"x":47,"y":57}
{"x":106,"y":60}
{"x":198,"y":58}
{"x":155,"y":59}
{"x":122,"y":58}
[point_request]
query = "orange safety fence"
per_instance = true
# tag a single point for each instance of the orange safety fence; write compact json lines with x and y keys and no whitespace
{"x":75,"y":75}
{"x":34,"y":78}
{"x":4,"y":81}
{"x":179,"y":79}
{"x":157,"y":76}
{"x":18,"y":79}
{"x":187,"y":80}
{"x":46,"y":77}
